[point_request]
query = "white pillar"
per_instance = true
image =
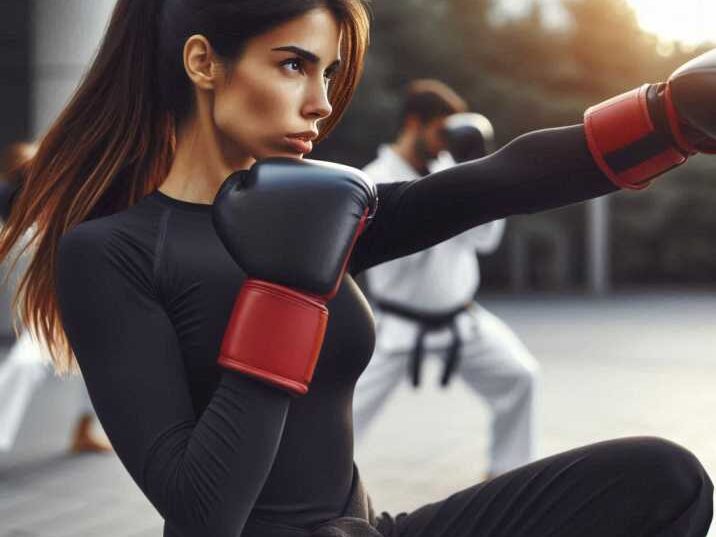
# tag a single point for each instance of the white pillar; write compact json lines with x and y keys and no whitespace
{"x":598,"y":254}
{"x":65,"y":37}
{"x":66,"y":34}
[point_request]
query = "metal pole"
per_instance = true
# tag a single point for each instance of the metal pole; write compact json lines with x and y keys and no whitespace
{"x":597,"y":242}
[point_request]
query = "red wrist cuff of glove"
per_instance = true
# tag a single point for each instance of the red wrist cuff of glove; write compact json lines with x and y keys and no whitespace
{"x":624,"y":142}
{"x":274,"y":334}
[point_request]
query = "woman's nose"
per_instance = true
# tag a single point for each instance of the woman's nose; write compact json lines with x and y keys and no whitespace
{"x":318,"y":105}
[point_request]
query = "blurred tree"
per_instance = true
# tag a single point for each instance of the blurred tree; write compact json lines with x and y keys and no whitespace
{"x":610,"y":52}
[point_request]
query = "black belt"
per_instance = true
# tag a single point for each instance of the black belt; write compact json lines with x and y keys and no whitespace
{"x":430,"y":322}
{"x":358,"y":520}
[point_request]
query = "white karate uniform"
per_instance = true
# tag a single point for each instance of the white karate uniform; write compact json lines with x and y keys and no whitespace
{"x":493,"y":361}
{"x":26,"y":366}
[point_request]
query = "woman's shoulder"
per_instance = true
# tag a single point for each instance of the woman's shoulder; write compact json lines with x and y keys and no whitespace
{"x":131,"y":233}
{"x":115,"y":252}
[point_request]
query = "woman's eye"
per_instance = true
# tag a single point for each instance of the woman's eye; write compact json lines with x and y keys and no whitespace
{"x":329,"y":75}
{"x":294,"y":64}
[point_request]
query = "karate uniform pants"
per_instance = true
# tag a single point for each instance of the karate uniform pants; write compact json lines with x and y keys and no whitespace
{"x":21,"y":373}
{"x":493,"y":362}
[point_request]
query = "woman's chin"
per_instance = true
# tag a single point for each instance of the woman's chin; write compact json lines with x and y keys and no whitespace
{"x":281,"y":154}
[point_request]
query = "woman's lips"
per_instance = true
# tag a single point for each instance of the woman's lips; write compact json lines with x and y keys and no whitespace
{"x":300,"y":144}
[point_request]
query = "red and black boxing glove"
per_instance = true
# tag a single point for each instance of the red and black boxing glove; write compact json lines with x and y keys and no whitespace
{"x":647,"y":131}
{"x":291,"y":225}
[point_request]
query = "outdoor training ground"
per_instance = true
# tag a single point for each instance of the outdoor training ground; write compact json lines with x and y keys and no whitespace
{"x":631,"y":364}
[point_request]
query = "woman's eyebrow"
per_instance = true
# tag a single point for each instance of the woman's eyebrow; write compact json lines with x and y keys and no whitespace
{"x":303,"y":53}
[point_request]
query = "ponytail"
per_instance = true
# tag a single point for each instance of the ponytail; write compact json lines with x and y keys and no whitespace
{"x":109,"y":147}
{"x":113,"y":144}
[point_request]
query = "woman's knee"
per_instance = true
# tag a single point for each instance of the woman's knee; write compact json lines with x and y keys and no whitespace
{"x":662,"y":472}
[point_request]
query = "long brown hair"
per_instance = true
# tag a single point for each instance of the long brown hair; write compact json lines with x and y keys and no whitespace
{"x":114,"y":142}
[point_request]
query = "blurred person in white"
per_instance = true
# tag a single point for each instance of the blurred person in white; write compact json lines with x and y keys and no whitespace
{"x":27,"y":364}
{"x":425,"y":303}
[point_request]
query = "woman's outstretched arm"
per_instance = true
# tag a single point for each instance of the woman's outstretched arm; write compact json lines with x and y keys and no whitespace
{"x":537,"y":171}
{"x":625,"y":142}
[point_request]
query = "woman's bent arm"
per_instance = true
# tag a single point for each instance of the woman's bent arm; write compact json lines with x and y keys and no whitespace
{"x":202,"y":473}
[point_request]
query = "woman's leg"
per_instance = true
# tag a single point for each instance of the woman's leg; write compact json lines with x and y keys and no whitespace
{"x":634,"y":487}
{"x":20,"y":374}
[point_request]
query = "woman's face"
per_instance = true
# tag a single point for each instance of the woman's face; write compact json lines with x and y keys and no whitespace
{"x":276,"y":94}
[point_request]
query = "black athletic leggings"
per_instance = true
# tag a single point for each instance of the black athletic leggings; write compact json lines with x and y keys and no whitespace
{"x":634,"y":487}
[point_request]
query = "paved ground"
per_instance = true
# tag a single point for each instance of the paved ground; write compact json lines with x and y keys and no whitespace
{"x":630,"y":365}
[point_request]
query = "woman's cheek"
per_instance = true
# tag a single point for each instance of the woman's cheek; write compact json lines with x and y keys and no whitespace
{"x":227,"y":115}
{"x":281,"y":97}
{"x":235,"y":131}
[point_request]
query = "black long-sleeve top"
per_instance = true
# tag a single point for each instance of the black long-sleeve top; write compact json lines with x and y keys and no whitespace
{"x":145,"y":295}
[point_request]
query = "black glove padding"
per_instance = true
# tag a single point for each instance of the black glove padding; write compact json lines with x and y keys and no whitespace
{"x":469,"y":136}
{"x":294,"y":222}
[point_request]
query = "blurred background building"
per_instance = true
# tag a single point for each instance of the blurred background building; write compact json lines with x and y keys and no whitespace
{"x":45,"y":47}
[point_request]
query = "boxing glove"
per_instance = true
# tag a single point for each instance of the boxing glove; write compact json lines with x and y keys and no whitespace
{"x":291,"y":226}
{"x":642,"y":133}
{"x":468,"y":136}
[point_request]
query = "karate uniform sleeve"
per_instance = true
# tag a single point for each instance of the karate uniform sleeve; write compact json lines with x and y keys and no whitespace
{"x":485,"y":238}
{"x":202,"y":473}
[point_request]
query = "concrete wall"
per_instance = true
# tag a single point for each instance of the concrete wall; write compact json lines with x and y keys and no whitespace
{"x":66,"y":34}
{"x":45,"y":48}
{"x":15,"y":69}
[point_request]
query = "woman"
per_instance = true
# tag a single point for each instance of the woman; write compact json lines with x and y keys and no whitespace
{"x":131,"y":267}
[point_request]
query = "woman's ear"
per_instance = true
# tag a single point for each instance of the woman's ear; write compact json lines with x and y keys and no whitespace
{"x":201,"y":63}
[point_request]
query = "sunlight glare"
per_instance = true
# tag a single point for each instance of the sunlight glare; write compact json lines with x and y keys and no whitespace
{"x":692,"y":22}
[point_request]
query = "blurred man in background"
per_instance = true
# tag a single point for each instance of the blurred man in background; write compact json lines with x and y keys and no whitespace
{"x":26,"y":365}
{"x":425,"y":302}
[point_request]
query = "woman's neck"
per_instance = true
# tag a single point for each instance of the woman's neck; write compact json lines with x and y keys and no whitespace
{"x":199,"y":166}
